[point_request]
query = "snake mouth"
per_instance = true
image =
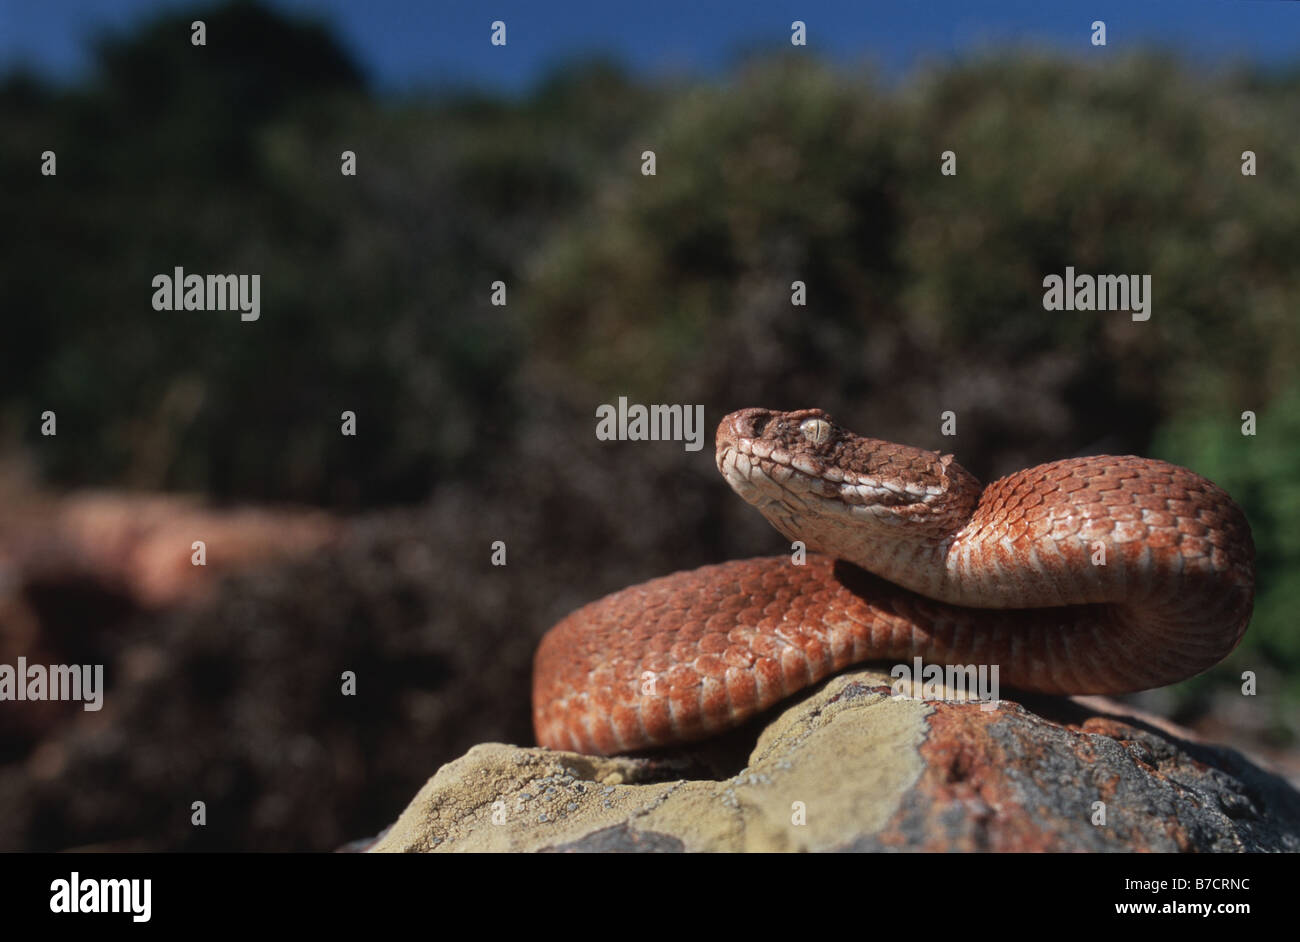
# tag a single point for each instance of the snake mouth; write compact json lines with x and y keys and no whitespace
{"x":795,"y":459}
{"x":757,"y":468}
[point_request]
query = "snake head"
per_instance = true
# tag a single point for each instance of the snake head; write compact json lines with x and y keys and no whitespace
{"x":837,"y":491}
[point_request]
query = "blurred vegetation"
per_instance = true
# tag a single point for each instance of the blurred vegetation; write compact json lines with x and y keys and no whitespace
{"x":925,"y":291}
{"x":1261,"y":473}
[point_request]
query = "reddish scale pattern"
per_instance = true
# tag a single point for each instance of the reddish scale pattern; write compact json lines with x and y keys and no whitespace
{"x":682,"y":657}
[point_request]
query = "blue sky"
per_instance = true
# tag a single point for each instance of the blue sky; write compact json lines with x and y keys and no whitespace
{"x":411,"y":43}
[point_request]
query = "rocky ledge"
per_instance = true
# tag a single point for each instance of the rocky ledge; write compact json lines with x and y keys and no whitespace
{"x":850,"y":767}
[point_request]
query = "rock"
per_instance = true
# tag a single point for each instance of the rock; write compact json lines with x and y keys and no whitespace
{"x":851,"y":768}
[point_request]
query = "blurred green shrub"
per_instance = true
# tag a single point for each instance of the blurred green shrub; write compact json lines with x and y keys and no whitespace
{"x":375,"y":288}
{"x":1260,"y":472}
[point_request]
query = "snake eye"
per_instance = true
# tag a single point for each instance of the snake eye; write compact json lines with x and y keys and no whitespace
{"x":816,"y":431}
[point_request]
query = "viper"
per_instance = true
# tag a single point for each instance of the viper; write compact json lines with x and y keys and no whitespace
{"x":1102,"y":574}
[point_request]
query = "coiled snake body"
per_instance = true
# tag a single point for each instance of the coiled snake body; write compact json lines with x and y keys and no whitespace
{"x":1090,"y":575}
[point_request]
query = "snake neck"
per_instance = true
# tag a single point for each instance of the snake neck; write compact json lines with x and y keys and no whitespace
{"x":893,"y":510}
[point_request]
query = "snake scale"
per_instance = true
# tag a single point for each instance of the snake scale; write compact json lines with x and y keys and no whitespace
{"x":1103,"y":574}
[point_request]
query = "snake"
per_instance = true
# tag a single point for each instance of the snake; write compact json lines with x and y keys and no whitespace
{"x":1091,"y":575}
